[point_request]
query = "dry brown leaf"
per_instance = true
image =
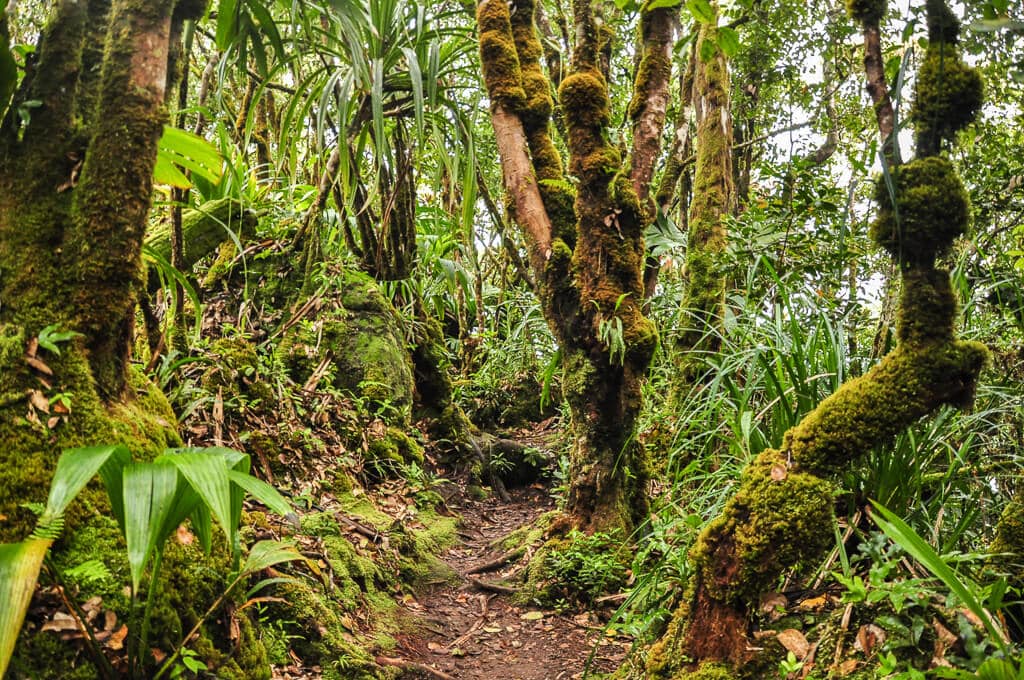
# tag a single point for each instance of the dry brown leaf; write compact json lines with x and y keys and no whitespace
{"x":39,"y":365}
{"x":848,"y":666}
{"x":779,"y":473}
{"x":868,"y":637}
{"x":39,"y":401}
{"x":794,"y":641}
{"x":60,"y":623}
{"x":116,"y":640}
{"x":771,"y":603}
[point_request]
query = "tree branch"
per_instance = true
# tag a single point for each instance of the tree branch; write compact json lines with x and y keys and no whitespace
{"x":651,"y":96}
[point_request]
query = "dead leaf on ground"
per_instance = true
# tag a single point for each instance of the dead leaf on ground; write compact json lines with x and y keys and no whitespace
{"x":868,"y":637}
{"x":794,"y":641}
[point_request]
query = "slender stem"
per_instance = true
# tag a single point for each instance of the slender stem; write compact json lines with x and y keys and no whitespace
{"x":195,"y":629}
{"x":154,"y":576}
{"x":102,"y":662}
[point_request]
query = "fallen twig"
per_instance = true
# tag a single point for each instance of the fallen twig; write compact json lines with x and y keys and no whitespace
{"x":499,"y":561}
{"x":493,"y":587}
{"x":413,"y":666}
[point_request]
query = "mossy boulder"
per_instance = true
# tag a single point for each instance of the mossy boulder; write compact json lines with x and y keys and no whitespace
{"x":359,"y":332}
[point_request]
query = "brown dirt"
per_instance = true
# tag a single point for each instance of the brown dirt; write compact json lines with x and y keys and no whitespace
{"x":470,"y":633}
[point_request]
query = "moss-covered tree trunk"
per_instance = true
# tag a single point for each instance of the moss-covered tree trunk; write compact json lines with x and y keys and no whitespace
{"x":75,"y":185}
{"x":714,"y":198}
{"x":782,"y":513}
{"x":585,"y":241}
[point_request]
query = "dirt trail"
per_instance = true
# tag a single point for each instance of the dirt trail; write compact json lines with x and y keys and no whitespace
{"x":471,"y":633}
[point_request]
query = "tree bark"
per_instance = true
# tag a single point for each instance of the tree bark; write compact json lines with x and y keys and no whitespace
{"x":782,"y":513}
{"x":75,"y":188}
{"x":586,"y":244}
{"x":714,"y":197}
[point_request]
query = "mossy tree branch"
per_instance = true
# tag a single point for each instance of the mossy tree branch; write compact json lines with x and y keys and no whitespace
{"x":782,"y":512}
{"x":714,"y":197}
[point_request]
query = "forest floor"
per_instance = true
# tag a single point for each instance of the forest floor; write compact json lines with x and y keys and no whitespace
{"x":473,"y":630}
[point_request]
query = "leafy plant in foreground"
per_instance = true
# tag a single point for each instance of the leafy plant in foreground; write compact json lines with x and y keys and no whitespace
{"x":149,"y":500}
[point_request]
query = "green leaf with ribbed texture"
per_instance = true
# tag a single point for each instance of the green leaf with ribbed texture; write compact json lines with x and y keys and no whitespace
{"x":261,"y":491}
{"x":207,"y":474}
{"x":149,"y":496}
{"x":75,"y":468}
{"x":19,"y":570}
{"x":908,"y":539}
{"x":268,"y":553}
{"x":112,"y":474}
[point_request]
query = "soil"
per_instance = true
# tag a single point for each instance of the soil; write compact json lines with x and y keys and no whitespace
{"x":468,"y":631}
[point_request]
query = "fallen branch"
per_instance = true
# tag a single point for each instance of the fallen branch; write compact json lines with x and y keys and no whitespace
{"x":499,"y":561}
{"x":413,"y":666}
{"x":492,"y":587}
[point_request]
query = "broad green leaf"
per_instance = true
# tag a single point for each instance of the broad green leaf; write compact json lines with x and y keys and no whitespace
{"x":19,"y":569}
{"x":191,"y":152}
{"x":416,"y":79}
{"x":658,"y":4}
{"x":729,"y":40}
{"x":268,"y":553}
{"x":149,"y":494}
{"x":75,"y":468}
{"x":208,"y":476}
{"x":112,"y":474}
{"x":226,"y":26}
{"x":998,"y":669}
{"x":701,"y":11}
{"x":165,"y":174}
{"x":202,"y":527}
{"x":898,"y":530}
{"x":261,"y":491}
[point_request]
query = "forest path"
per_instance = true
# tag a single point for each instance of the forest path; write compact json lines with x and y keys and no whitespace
{"x":470,"y":632}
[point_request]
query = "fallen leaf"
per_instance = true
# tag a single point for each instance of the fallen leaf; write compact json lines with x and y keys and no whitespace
{"x":794,"y":641}
{"x":779,"y":473}
{"x":771,"y":602}
{"x":39,"y":365}
{"x":60,"y":623}
{"x":39,"y":401}
{"x":868,"y":637}
{"x":532,"y":616}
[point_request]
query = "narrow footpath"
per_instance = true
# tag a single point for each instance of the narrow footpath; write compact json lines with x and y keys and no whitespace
{"x":474,"y":631}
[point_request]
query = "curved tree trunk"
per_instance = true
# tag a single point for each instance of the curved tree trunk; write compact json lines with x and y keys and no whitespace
{"x":75,"y":186}
{"x":585,"y":242}
{"x":782,"y":513}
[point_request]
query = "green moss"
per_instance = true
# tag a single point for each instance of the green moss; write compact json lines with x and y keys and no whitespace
{"x":906,"y":385}
{"x":778,"y":519}
{"x":947,"y":98}
{"x":930,"y":212}
{"x":394,"y":448}
{"x":498,"y":56}
{"x":584,"y":99}
{"x":707,"y":671}
{"x":943,"y":26}
{"x":866,"y":11}
{"x":1010,"y":536}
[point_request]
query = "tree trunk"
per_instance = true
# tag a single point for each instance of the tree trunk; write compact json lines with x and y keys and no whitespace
{"x":586,"y":243}
{"x":714,"y":198}
{"x":75,"y":186}
{"x":782,"y":513}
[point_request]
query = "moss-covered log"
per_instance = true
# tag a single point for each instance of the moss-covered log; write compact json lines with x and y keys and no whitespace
{"x":781,"y":515}
{"x":203,"y":229}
